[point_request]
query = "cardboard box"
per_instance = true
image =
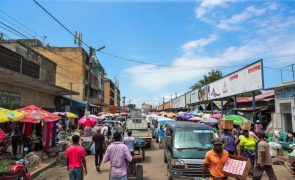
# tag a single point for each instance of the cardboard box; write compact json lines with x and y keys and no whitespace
{"x":246,"y":170}
{"x":246,"y":126}
{"x":226,"y":124}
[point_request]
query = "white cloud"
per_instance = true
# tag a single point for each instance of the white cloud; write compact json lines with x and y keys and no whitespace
{"x":196,"y":44}
{"x":207,"y":5}
{"x":156,"y":79}
{"x":249,"y":12}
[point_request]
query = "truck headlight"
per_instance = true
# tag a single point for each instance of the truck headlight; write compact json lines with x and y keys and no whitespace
{"x":177,"y":163}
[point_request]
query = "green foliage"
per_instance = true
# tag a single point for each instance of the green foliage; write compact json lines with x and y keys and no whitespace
{"x":212,"y":76}
{"x":249,"y":94}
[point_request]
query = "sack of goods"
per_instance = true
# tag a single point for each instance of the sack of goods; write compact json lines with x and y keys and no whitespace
{"x":237,"y":167}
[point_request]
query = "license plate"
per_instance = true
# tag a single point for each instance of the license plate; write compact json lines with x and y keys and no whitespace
{"x":198,"y":178}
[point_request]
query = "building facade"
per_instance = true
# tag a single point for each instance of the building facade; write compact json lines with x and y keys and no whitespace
{"x":75,"y":71}
{"x":27,"y":77}
{"x":112,"y":95}
{"x":284,"y":117}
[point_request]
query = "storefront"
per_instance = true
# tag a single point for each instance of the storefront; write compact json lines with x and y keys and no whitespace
{"x":285,"y":107}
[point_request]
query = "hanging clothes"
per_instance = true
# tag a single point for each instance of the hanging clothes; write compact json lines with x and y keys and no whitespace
{"x":47,"y":135}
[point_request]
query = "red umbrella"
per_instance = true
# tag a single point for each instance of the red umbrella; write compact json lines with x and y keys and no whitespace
{"x":35,"y":114}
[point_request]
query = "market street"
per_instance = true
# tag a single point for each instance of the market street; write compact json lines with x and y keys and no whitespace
{"x":153,"y":166}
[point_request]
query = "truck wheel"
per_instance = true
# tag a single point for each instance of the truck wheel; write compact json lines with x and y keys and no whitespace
{"x":139,"y":172}
{"x":165,"y":158}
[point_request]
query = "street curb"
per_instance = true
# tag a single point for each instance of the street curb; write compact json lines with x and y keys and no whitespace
{"x":35,"y":174}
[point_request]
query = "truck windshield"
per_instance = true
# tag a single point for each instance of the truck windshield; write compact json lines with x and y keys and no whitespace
{"x":191,"y":138}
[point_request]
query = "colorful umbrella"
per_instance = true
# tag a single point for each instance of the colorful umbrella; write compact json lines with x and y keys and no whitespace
{"x":238,"y":120}
{"x":123,"y":114}
{"x":196,"y":119}
{"x":83,"y":119}
{"x":12,"y":115}
{"x":206,"y":116}
{"x":217,"y":116}
{"x":195,"y":113}
{"x":187,"y":115}
{"x":34,"y":114}
{"x":210,"y":121}
{"x":200,"y":114}
{"x":69,"y":115}
{"x":3,"y":117}
{"x":171,"y":114}
{"x":100,"y":114}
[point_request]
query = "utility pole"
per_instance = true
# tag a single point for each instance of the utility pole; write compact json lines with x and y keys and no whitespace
{"x":163,"y":102}
{"x":123,"y":102}
{"x":175,"y":95}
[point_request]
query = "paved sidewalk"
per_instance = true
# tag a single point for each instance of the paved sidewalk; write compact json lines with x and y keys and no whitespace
{"x":43,"y":166}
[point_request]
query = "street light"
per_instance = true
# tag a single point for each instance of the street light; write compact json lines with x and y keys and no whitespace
{"x":101,"y":48}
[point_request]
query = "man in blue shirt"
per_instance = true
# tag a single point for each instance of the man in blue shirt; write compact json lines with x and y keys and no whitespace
{"x":160,"y":135}
{"x":129,"y":142}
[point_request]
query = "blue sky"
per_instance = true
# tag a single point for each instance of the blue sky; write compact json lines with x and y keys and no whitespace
{"x":198,"y":35}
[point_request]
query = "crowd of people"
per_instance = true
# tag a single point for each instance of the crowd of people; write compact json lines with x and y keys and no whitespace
{"x":117,"y":152}
{"x":251,"y":144}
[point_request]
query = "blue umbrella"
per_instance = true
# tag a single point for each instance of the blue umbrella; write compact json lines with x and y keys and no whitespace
{"x":210,"y":121}
{"x":187,"y":116}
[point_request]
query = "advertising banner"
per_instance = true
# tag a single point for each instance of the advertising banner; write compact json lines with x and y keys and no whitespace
{"x":188,"y":98}
{"x":194,"y":96}
{"x":202,"y":94}
{"x":245,"y":80}
{"x":178,"y":102}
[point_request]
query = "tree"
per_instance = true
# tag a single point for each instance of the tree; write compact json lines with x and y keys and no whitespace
{"x":212,"y":76}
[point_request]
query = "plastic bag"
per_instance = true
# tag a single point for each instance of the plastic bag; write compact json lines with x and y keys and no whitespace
{"x":92,"y":148}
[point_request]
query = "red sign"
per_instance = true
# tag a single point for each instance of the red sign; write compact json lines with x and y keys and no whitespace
{"x":113,"y":109}
{"x":253,"y":69}
{"x":235,"y":76}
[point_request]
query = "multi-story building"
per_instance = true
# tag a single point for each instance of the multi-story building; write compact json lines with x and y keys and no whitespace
{"x":27,"y":77}
{"x":111,"y":95}
{"x":76,"y":71}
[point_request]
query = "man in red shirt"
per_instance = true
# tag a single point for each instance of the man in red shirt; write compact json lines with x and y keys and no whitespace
{"x":75,"y":156}
{"x":88,"y":125}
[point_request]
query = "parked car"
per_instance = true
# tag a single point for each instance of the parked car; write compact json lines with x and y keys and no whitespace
{"x":185,"y":147}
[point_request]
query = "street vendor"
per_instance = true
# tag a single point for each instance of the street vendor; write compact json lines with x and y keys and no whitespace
{"x":230,"y":141}
{"x":216,"y":159}
{"x":88,"y":125}
{"x":248,"y":147}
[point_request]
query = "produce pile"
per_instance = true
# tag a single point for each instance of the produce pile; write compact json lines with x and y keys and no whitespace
{"x":234,"y":166}
{"x":5,"y":165}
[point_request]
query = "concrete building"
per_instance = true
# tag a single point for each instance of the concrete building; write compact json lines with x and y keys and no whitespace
{"x":75,"y":71}
{"x":111,"y":95}
{"x":284,"y":117}
{"x":27,"y":77}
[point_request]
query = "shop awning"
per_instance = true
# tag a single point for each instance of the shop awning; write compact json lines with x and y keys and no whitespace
{"x":13,"y":78}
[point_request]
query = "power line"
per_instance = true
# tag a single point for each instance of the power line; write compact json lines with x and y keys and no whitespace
{"x":14,"y":30}
{"x":60,"y":23}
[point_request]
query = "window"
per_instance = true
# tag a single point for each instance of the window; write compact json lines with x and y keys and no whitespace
{"x":9,"y":99}
{"x":192,"y":138}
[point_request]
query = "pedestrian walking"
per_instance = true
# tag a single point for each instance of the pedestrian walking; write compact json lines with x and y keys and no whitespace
{"x":264,"y":161}
{"x":117,"y":153}
{"x":129,"y":142}
{"x":98,"y":140}
{"x":248,"y":147}
{"x":160,"y":135}
{"x":75,"y":156}
{"x":230,"y":141}
{"x":88,"y":125}
{"x":216,"y":159}
{"x":258,"y":127}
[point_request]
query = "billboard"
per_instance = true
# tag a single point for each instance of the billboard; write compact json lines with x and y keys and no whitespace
{"x":194,"y":96}
{"x":188,"y":98}
{"x":178,"y":102}
{"x":245,"y":80}
{"x":202,"y":94}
